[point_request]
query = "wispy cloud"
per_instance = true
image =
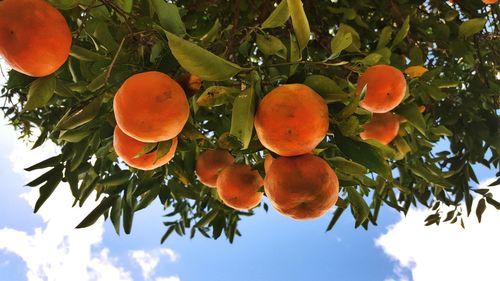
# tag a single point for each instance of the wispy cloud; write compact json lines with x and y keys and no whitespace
{"x":149,"y":260}
{"x":445,"y":252}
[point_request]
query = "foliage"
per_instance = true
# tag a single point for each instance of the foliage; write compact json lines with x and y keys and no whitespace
{"x":244,"y":48}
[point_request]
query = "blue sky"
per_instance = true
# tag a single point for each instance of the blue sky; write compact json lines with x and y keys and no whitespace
{"x":46,"y":246}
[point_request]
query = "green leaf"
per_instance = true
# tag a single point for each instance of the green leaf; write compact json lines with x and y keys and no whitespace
{"x":271,"y":45}
{"x":116,"y":179}
{"x":481,"y":207}
{"x":98,"y":211}
{"x":336,"y":215}
{"x":210,"y":216}
{"x":243,"y":116}
{"x":162,"y":149}
{"x":97,"y":83}
{"x":471,"y":27}
{"x":340,"y":42}
{"x":364,"y":154}
{"x":40,"y":92}
{"x":167,"y":233}
{"x":371,"y":59}
{"x":80,"y":117}
{"x":359,"y":208}
{"x":83,"y":54}
{"x":217,"y":95}
{"x":148,"y":147}
{"x":212,"y":33}
{"x":295,"y":54}
{"x":420,"y":170}
{"x":50,"y":162}
{"x":299,"y":22}
{"x":48,"y":188}
{"x":347,"y":166}
{"x":116,"y":212}
{"x":441,"y":131}
{"x":148,"y":197}
{"x":64,"y":4}
{"x":411,"y":112}
{"x":326,"y":87}
{"x":385,"y":37}
{"x":201,"y":62}
{"x":493,"y":202}
{"x":402,"y":33}
{"x":128,"y":216}
{"x":278,"y":17}
{"x":169,"y":17}
{"x":75,"y":135}
{"x":356,"y":41}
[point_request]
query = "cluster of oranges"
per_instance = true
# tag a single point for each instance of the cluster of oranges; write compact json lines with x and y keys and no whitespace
{"x":160,"y":111}
{"x":152,"y":108}
{"x":291,"y":121}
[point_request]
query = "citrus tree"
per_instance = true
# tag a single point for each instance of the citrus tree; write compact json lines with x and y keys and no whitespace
{"x":358,"y":104}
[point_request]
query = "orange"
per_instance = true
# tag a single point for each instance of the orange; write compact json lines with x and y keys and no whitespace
{"x":386,"y":88}
{"x":127,"y":148}
{"x":490,"y":1}
{"x":383,"y":127}
{"x":151,"y":107}
{"x":238,"y":185}
{"x":267,"y":162}
{"x":210,"y":163}
{"x":34,"y":37}
{"x":291,"y":120}
{"x":301,"y":187}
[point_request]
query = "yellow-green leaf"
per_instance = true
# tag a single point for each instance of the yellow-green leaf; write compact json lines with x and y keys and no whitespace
{"x":243,"y":116}
{"x":201,"y":62}
{"x":271,"y":45}
{"x":278,"y":17}
{"x":40,"y":92}
{"x":299,"y":22}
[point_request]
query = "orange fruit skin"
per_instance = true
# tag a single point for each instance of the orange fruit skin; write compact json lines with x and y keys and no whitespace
{"x":210,"y":163}
{"x":301,"y":187}
{"x":238,"y":185}
{"x":386,"y":88}
{"x":34,"y":36}
{"x":151,"y":107}
{"x":127,"y":148}
{"x":490,"y":1}
{"x":383,"y":127}
{"x":267,"y":162}
{"x":291,"y":120}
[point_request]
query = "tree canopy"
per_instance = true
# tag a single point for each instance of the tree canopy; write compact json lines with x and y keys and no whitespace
{"x":243,"y":49}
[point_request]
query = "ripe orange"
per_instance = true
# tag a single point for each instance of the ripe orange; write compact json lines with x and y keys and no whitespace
{"x":127,"y":148}
{"x":301,"y":187}
{"x":291,"y":120}
{"x":267,"y":162}
{"x":210,"y":163}
{"x":490,"y":1}
{"x":151,"y":107}
{"x":238,"y":185}
{"x":386,"y":88}
{"x":34,"y":37}
{"x":383,"y":127}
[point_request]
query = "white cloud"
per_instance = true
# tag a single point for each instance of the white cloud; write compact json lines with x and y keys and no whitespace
{"x":58,"y":251}
{"x":149,"y":260}
{"x":169,"y":278}
{"x":445,"y":252}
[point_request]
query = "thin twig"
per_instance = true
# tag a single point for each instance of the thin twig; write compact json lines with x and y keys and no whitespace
{"x":110,"y":68}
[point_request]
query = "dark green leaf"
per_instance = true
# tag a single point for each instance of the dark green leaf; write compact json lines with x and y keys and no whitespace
{"x":104,"y":206}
